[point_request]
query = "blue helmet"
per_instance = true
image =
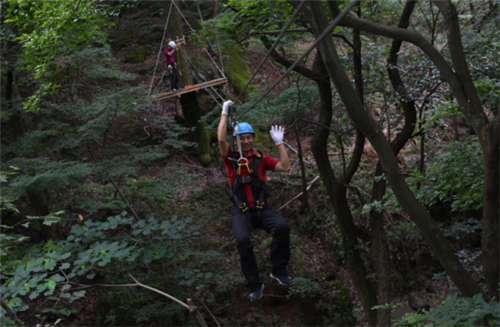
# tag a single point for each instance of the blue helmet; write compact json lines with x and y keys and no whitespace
{"x":243,"y":128}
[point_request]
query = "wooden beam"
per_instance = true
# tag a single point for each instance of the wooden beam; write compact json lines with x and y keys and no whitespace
{"x":195,"y":87}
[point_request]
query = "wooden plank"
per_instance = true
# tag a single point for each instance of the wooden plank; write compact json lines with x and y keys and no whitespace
{"x":195,"y":87}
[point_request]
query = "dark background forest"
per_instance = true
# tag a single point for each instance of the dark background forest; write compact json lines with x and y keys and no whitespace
{"x":114,"y":209}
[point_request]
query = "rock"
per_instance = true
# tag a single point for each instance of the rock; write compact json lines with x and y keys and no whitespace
{"x":202,"y":70}
{"x":416,"y":303}
{"x":238,"y":72}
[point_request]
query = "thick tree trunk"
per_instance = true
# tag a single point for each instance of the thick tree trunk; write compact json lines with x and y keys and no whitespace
{"x":371,"y":130}
{"x":336,"y":188}
{"x":337,"y":193}
{"x":189,"y":101}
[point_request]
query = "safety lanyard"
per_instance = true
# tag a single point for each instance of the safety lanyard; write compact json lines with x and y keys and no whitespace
{"x":236,"y":129}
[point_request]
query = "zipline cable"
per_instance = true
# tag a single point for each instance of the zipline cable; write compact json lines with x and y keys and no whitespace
{"x":173,"y":1}
{"x":327,"y":30}
{"x":201,"y":75}
{"x":161,"y":47}
{"x":290,"y":21}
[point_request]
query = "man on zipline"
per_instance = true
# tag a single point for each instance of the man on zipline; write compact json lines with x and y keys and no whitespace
{"x":172,"y":66}
{"x":251,"y":210}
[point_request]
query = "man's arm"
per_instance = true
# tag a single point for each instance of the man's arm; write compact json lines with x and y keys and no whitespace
{"x":278,"y":133}
{"x":221,"y":130}
{"x":171,"y":52}
{"x":284,"y":164}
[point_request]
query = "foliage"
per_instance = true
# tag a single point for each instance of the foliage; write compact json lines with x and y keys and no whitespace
{"x":456,"y":311}
{"x":106,"y":128}
{"x":244,"y":18}
{"x":50,"y":30}
{"x":304,"y":287}
{"x":109,"y":249}
{"x":455,"y":176}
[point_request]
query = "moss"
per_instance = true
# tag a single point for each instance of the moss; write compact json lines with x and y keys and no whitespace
{"x":202,"y":70}
{"x":137,"y":55}
{"x":297,"y":257}
{"x":343,"y":304}
{"x":238,"y":72}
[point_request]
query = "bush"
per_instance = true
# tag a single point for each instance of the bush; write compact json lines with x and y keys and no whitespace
{"x":455,"y":311}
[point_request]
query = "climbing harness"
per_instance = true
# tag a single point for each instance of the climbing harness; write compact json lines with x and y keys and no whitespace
{"x":259,"y":188}
{"x":237,"y":162}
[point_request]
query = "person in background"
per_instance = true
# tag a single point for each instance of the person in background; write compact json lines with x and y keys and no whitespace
{"x":172,"y":66}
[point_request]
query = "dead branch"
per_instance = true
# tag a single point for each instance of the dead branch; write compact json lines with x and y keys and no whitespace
{"x":310,"y":184}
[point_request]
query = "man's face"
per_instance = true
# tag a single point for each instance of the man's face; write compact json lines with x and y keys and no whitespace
{"x":246,"y":141}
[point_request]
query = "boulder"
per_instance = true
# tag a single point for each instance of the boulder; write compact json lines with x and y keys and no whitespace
{"x":237,"y":71}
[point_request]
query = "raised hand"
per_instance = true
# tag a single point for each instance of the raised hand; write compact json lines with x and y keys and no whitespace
{"x":226,"y":106}
{"x":277,"y":133}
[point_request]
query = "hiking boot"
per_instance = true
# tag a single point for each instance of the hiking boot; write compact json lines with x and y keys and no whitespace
{"x":283,"y":279}
{"x":256,"y":292}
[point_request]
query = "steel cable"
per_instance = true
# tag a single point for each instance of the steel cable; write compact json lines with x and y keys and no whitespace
{"x":161,"y":47}
{"x":327,"y":30}
{"x":290,"y":21}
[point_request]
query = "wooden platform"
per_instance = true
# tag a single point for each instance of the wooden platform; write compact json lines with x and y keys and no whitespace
{"x":196,"y":88}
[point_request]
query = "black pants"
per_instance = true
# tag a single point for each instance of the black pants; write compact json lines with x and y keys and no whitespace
{"x":272,"y":222}
{"x":174,"y":78}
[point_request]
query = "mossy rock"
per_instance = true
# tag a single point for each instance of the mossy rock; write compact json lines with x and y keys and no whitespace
{"x":238,"y":72}
{"x":202,"y":70}
{"x":343,"y":305}
{"x":137,"y":55}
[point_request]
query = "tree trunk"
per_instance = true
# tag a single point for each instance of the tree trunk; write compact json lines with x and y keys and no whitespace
{"x":380,"y":250}
{"x":305,"y":200}
{"x":40,"y":205}
{"x":336,"y":188}
{"x":367,"y":125}
{"x":189,"y":101}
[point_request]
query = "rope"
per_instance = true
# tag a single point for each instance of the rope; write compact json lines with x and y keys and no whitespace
{"x":173,"y":1}
{"x":318,"y":39}
{"x":161,"y":47}
{"x":201,"y":75}
{"x":272,"y":48}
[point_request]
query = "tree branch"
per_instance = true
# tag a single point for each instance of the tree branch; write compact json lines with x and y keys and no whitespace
{"x":12,"y":315}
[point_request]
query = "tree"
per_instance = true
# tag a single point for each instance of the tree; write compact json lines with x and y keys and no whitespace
{"x":389,"y":164}
{"x":487,"y":128}
{"x":51,"y":30}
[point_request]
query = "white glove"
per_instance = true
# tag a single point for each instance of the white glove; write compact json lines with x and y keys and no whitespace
{"x":225,"y":107}
{"x":277,"y":133}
